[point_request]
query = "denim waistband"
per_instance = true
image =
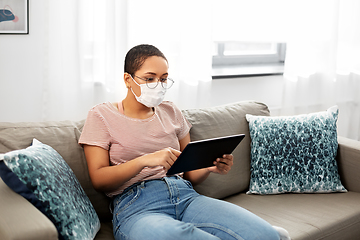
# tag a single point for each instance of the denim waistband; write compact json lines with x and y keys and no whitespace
{"x":142,"y":184}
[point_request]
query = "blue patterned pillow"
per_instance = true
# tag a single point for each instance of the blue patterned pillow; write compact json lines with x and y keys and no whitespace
{"x":294,"y":154}
{"x":41,"y":175}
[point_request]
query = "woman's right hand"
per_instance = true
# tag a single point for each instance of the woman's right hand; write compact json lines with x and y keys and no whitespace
{"x":165,"y":158}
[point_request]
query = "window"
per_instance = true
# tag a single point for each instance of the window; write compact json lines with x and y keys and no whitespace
{"x":235,"y":58}
{"x":235,"y":53}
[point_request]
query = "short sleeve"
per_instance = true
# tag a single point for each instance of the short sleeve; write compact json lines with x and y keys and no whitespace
{"x":95,"y":131}
{"x":183,"y":122}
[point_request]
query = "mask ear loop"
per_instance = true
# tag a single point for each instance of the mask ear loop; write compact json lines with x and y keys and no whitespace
{"x":134,"y":80}
{"x":132,"y":89}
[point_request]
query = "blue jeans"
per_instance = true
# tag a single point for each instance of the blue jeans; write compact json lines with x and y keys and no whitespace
{"x":169,"y":208}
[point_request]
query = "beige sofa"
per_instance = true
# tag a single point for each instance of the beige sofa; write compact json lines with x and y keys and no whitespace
{"x":305,"y":216}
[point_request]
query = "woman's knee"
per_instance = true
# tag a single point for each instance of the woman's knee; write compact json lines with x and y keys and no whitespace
{"x":228,"y":221}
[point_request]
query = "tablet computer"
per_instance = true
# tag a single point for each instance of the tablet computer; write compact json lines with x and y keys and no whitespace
{"x":203,"y":153}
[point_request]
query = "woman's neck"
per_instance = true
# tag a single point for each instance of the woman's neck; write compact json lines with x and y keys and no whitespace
{"x":134,"y":109}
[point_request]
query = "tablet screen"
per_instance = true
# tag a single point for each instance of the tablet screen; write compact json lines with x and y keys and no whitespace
{"x":203,"y":153}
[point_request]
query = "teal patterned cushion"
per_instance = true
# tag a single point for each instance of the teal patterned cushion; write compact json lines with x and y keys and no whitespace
{"x":294,"y":154}
{"x":40,"y":174}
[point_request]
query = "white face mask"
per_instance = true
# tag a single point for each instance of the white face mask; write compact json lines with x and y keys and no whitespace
{"x":150,"y":97}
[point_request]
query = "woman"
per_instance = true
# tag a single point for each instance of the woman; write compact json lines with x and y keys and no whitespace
{"x":129,"y":147}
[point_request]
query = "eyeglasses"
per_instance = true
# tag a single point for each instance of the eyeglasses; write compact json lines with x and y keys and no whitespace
{"x":166,"y":83}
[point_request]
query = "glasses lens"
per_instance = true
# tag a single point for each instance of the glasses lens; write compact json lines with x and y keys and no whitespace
{"x":152,"y":84}
{"x":168,"y":83}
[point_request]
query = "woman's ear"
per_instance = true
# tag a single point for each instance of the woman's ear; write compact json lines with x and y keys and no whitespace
{"x":127,"y":79}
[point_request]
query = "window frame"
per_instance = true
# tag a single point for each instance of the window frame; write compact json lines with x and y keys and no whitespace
{"x":221,"y":60}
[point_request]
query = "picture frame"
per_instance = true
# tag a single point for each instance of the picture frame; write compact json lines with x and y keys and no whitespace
{"x":14,"y":16}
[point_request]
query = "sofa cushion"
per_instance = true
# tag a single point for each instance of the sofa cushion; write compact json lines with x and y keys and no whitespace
{"x":330,"y":216}
{"x":223,"y":121}
{"x":63,"y":137}
{"x":33,"y":224}
{"x":294,"y":154}
{"x":41,"y":175}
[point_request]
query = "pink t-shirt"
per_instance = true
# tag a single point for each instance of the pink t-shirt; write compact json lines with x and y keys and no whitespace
{"x":128,"y":138}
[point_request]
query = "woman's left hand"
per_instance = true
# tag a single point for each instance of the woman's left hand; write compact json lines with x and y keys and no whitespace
{"x":222,"y":165}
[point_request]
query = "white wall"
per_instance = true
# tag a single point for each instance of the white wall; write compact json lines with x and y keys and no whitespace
{"x":21,"y":70}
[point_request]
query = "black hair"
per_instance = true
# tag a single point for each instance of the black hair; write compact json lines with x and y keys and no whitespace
{"x":137,"y":55}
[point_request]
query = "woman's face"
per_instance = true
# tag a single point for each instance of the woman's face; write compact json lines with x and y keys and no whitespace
{"x":153,"y":67}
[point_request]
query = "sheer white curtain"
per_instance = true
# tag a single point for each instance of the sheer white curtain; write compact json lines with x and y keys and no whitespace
{"x":86,"y":42}
{"x":322,"y":66}
{"x":77,"y":74}
{"x":62,"y":93}
{"x":108,"y":29}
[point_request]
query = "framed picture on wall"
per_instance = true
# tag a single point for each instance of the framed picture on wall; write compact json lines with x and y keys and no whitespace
{"x":14,"y":16}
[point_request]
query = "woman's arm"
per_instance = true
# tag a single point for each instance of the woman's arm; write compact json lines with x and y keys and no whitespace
{"x":107,"y":178}
{"x":221,"y":166}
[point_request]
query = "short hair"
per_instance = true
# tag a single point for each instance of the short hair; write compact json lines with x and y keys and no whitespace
{"x":137,"y":55}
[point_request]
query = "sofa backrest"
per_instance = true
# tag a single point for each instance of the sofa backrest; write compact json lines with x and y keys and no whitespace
{"x":63,"y":137}
{"x":211,"y":122}
{"x":222,"y":121}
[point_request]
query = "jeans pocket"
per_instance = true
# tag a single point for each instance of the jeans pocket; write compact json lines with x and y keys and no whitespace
{"x":122,"y":209}
{"x":126,"y":199}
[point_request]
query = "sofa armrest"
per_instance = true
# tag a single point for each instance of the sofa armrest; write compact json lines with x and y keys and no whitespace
{"x":19,"y":219}
{"x":348,"y":159}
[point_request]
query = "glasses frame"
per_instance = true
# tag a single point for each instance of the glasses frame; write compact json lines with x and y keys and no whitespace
{"x":168,"y":80}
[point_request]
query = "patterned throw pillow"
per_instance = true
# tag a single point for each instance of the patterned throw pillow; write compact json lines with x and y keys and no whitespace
{"x":294,"y":154}
{"x":40,"y":174}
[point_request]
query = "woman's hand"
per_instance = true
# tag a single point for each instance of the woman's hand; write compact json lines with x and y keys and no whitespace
{"x":165,"y":157}
{"x":108,"y":178}
{"x":222,"y":165}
